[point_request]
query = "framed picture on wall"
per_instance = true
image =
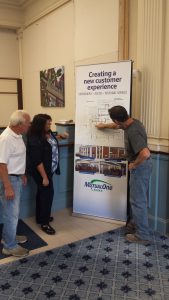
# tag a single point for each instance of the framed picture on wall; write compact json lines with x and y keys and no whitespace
{"x":52,"y":87}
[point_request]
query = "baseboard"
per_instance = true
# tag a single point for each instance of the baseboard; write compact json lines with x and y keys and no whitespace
{"x":159,"y":224}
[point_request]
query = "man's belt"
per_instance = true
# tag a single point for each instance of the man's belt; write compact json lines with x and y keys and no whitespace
{"x":16,"y":175}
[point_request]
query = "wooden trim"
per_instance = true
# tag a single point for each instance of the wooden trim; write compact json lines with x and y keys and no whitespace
{"x":65,"y":124}
{"x":8,"y":93}
{"x":66,"y":145}
{"x":8,"y":78}
{"x":159,"y":152}
{"x":19,"y":89}
{"x":123,"y":32}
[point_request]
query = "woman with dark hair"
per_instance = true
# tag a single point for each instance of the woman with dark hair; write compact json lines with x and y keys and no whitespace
{"x":42,"y":163}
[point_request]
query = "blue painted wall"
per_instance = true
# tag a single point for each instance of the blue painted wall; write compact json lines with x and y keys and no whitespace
{"x":63,"y":185}
{"x":159,"y":194}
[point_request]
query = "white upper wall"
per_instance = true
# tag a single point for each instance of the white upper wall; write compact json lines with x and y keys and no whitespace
{"x":77,"y":32}
{"x":96,"y":30}
{"x":80,"y":31}
{"x":46,"y":44}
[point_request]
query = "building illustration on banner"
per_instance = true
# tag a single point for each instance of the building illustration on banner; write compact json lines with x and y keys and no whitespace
{"x":101,"y":159}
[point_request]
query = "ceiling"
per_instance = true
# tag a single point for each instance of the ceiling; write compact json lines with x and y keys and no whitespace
{"x":14,"y":3}
{"x":21,"y":6}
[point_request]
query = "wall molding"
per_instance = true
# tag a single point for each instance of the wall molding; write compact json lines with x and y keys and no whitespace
{"x":158,"y":224}
{"x":13,"y":25}
{"x":158,"y":144}
{"x":163,"y":221}
{"x":123,"y":34}
{"x":100,"y":59}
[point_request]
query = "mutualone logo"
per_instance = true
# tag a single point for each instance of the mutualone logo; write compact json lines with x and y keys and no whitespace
{"x":98,"y":185}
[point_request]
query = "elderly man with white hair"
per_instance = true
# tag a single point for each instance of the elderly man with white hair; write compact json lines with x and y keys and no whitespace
{"x":12,"y":177}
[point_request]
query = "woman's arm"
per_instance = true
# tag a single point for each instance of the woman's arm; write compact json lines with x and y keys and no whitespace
{"x":61,"y":136}
{"x":43,"y":174}
{"x":35,"y":148}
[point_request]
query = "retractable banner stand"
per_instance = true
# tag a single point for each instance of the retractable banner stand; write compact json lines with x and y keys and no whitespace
{"x":100,"y":169}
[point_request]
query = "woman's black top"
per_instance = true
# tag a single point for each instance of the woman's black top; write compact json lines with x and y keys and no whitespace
{"x":39,"y":151}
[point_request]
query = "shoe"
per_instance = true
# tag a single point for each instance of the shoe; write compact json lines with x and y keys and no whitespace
{"x":51,"y":219}
{"x":18,"y":251}
{"x":48,"y":229}
{"x":132,"y":238}
{"x":21,"y":239}
{"x":130,"y":228}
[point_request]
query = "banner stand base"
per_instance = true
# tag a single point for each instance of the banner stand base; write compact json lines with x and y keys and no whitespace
{"x":123,"y":223}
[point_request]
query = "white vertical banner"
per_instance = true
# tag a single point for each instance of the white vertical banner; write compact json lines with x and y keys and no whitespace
{"x":100,"y":168}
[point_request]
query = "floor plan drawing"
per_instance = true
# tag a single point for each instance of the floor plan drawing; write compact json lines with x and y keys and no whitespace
{"x":94,"y":113}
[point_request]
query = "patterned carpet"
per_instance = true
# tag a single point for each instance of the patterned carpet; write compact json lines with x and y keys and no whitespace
{"x":102,"y":267}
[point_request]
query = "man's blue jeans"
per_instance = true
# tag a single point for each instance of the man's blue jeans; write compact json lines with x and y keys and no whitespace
{"x":139,"y":185}
{"x":10,"y":212}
